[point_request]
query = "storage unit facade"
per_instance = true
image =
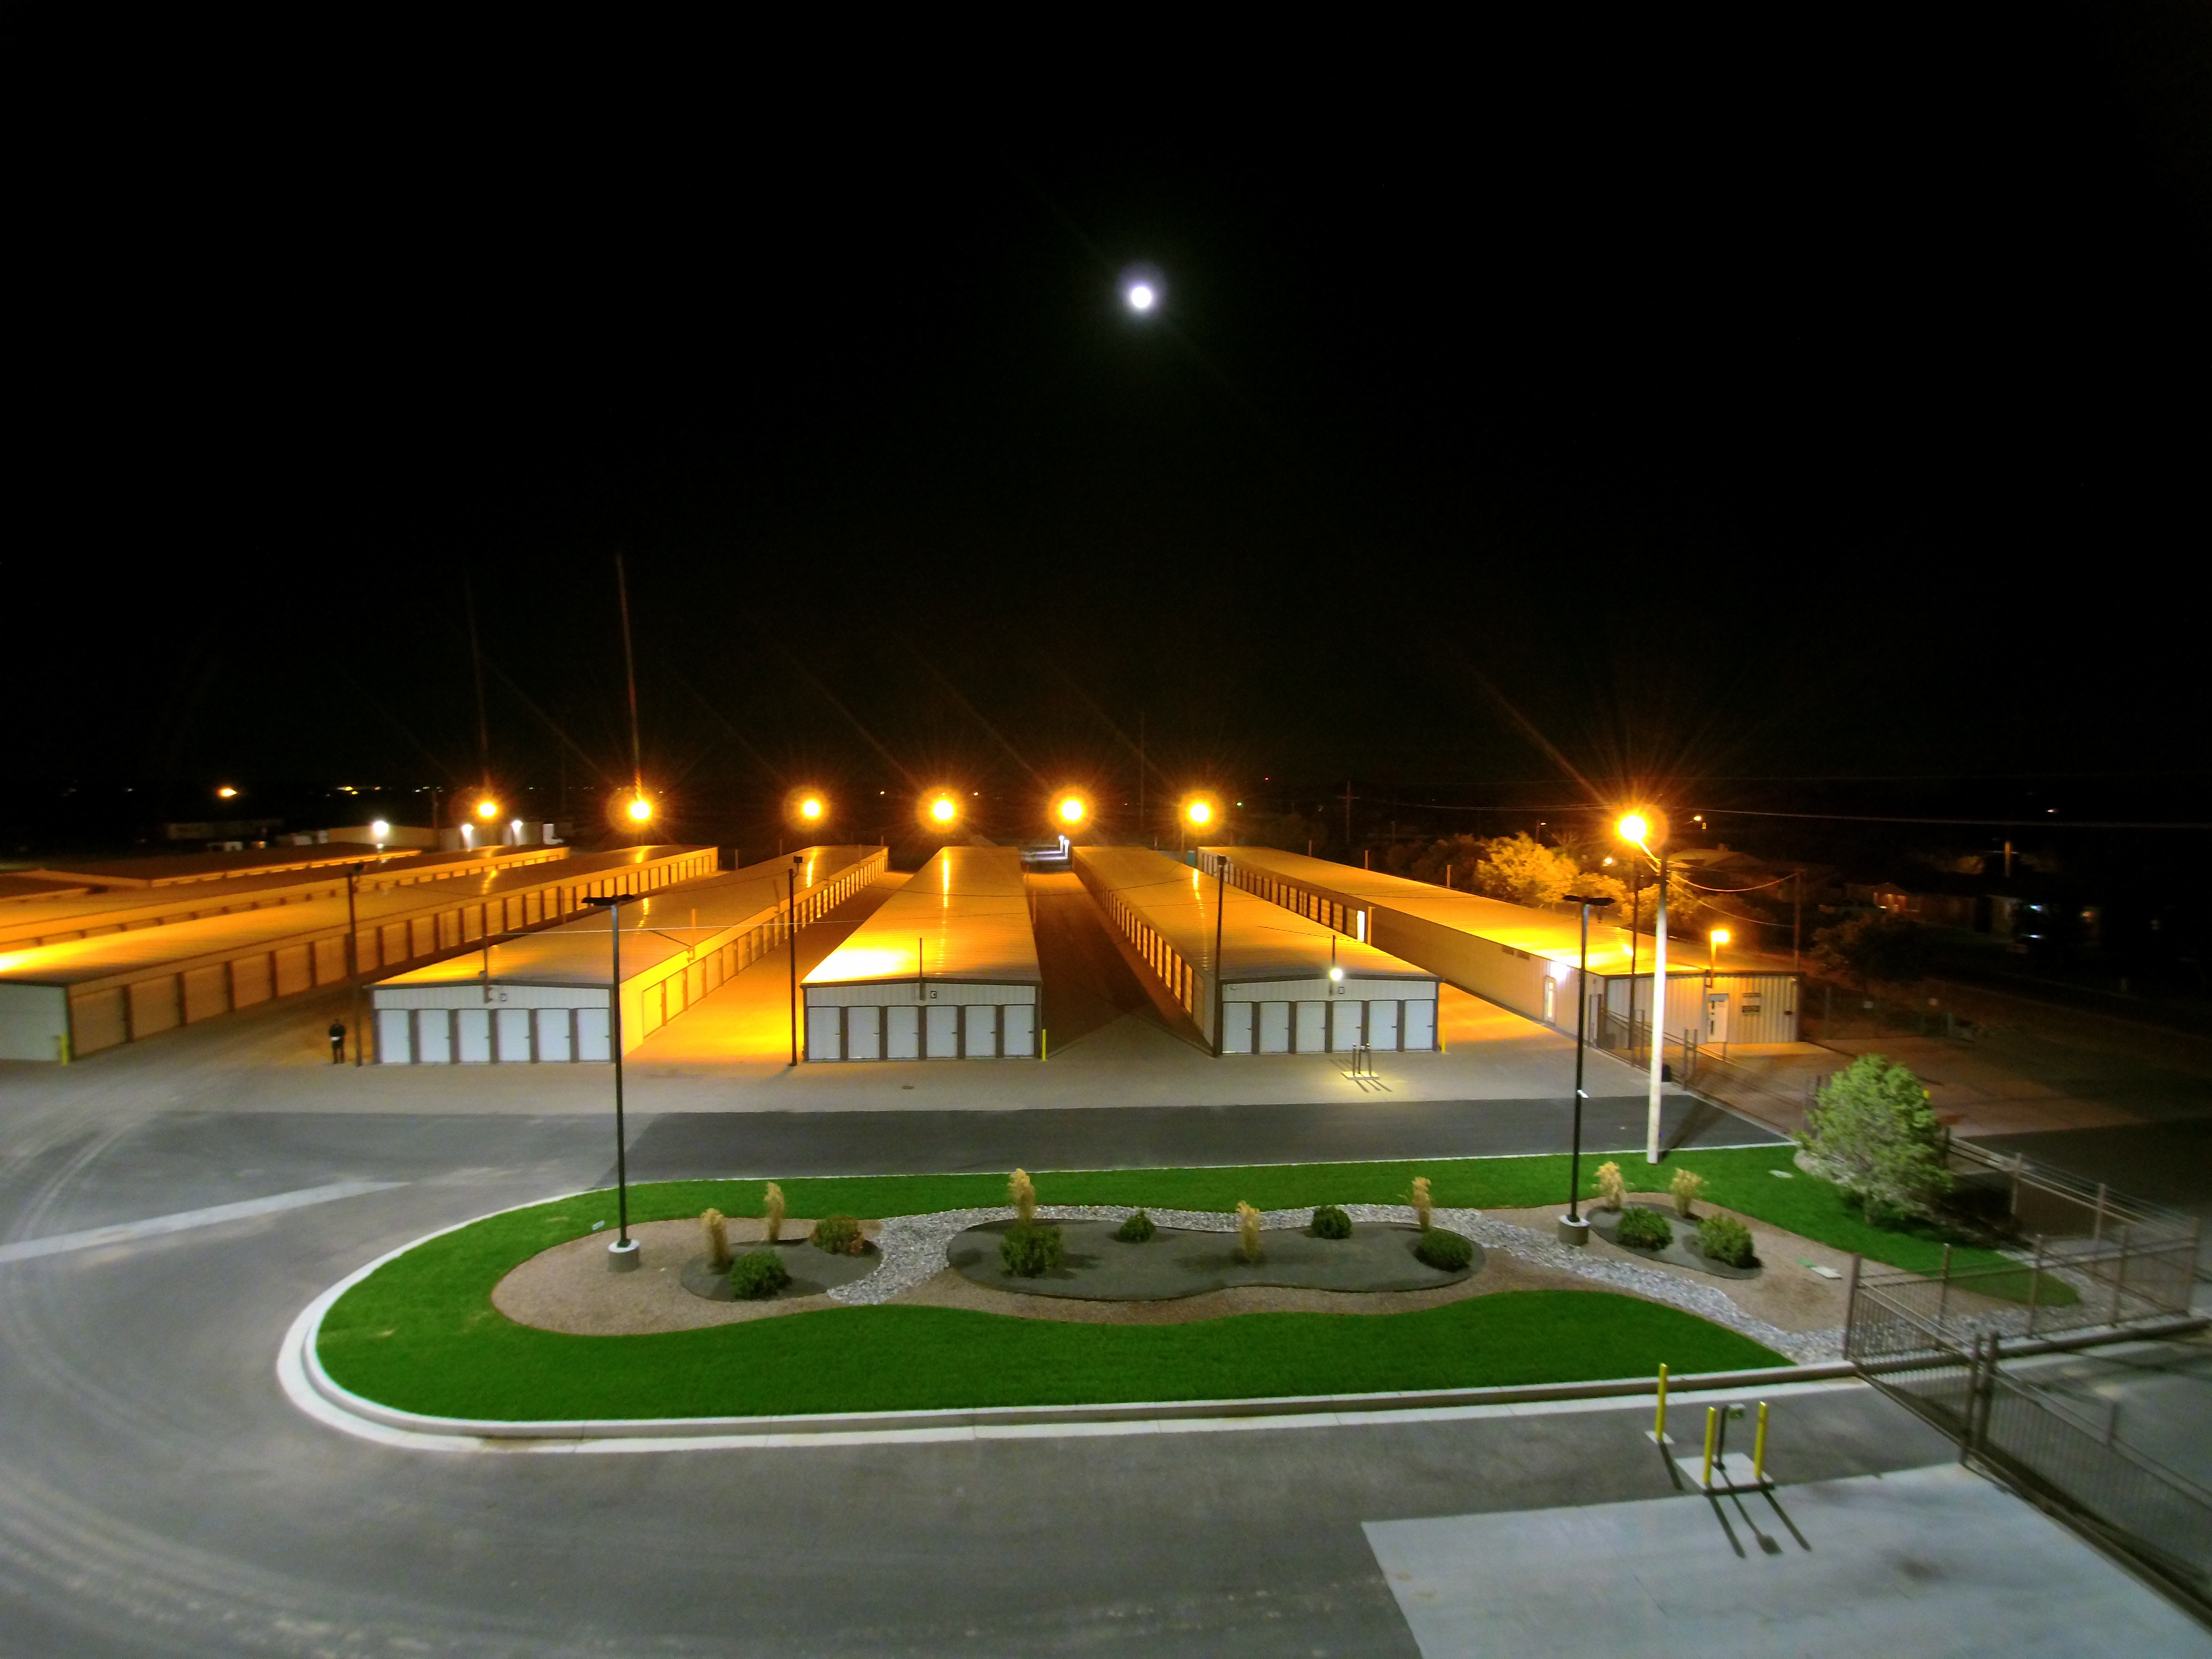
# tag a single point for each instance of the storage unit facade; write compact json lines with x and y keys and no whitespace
{"x":545,"y":998}
{"x":1276,"y":991}
{"x":124,"y":987}
{"x":946,"y":969}
{"x":1520,"y":958}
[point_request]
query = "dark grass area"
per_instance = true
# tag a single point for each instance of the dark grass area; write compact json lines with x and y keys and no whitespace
{"x":408,"y":1341}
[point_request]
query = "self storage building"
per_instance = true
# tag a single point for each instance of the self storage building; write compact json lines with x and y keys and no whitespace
{"x":1521,"y":957}
{"x":83,"y":995}
{"x":1286,"y":986}
{"x":945,"y":968}
{"x":545,"y":997}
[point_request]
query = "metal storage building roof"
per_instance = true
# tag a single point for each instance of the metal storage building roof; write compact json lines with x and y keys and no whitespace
{"x":677,"y":945}
{"x":967,"y":911}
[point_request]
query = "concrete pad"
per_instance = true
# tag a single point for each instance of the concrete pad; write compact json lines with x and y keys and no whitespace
{"x":1927,"y":1562}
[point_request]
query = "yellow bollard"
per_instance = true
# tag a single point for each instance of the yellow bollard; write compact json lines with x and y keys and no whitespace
{"x":1045,"y":1045}
{"x":1659,"y":1423}
{"x":1758,"y":1448}
{"x":1712,"y":1432}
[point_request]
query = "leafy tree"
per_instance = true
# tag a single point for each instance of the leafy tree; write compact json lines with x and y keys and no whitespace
{"x":1523,"y":870}
{"x":1871,"y":950}
{"x":1873,"y":1133}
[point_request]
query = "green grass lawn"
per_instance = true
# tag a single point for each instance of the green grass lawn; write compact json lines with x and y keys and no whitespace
{"x":420,"y":1333}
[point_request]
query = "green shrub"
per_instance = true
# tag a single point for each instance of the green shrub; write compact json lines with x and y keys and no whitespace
{"x":839,"y":1234}
{"x":1643,"y":1229}
{"x":1726,"y":1240}
{"x":1874,"y":1135}
{"x":1030,"y":1248}
{"x":1445,"y":1251}
{"x":1137,"y":1230}
{"x":1330,"y":1222}
{"x":760,"y":1274}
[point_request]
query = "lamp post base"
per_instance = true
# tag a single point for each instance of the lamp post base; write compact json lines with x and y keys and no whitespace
{"x":623,"y":1256}
{"x":1574,"y":1230}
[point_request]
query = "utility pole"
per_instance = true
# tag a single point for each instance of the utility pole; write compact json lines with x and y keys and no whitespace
{"x":1142,"y":823}
{"x":1797,"y":918}
{"x":1658,"y":1011}
{"x":352,"y":959}
{"x":791,"y":880}
{"x":1220,"y":907}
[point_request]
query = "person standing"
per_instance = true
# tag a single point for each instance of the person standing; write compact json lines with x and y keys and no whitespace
{"x":338,"y":1042}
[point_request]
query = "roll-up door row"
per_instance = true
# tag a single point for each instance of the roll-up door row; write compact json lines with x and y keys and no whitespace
{"x":1336,"y":1027}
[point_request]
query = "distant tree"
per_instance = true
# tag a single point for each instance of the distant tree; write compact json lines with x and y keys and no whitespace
{"x":1873,"y":1133}
{"x":1522,"y":869}
{"x":1458,"y":853}
{"x":1874,"y":949}
{"x":1290,"y":831}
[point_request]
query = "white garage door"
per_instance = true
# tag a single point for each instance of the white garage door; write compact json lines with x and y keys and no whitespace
{"x":592,"y":1035}
{"x":979,"y":1026}
{"x":864,"y":1034}
{"x":1313,"y":1028}
{"x":1343,"y":1025}
{"x":472,"y":1026}
{"x":1236,"y":1028}
{"x":824,"y":1040}
{"x":433,"y":1036}
{"x":553,"y":1036}
{"x":902,"y":1034}
{"x":1382,"y":1024}
{"x":1421,"y":1026}
{"x":395,"y":1042}
{"x":1018,"y":1031}
{"x":944,"y":1033}
{"x":1274,"y":1028}
{"x":513,"y":1034}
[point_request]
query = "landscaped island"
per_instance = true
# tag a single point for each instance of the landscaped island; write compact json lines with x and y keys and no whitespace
{"x":422,"y":1333}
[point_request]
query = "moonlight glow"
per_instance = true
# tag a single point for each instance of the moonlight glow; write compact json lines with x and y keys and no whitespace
{"x":1142,"y":297}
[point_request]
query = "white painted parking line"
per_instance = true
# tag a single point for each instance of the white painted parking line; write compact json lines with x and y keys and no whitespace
{"x":186,"y":1220}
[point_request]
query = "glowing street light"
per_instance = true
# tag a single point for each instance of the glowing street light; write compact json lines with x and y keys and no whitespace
{"x":942,"y":811}
{"x":380,"y":832}
{"x":1069,"y":812}
{"x":639,"y":809}
{"x":487,"y":808}
{"x":811,"y":809}
{"x":226,"y":794}
{"x":1636,"y":829}
{"x":1719,"y":937}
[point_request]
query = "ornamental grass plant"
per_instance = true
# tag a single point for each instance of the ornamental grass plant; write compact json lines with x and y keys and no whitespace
{"x":1248,"y":1232}
{"x":1021,"y":1193}
{"x":1422,"y":1205}
{"x":772,"y":1213}
{"x":1686,"y":1186}
{"x":1612,"y":1186}
{"x":716,"y":1229}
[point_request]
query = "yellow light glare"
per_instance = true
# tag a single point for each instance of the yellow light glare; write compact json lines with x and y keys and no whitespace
{"x":487,"y":808}
{"x":226,"y":794}
{"x":1720,"y":936}
{"x":1071,"y":810}
{"x":639,"y":809}
{"x":810,"y":809}
{"x":943,"y":809}
{"x":1634,"y":827}
{"x":381,"y":829}
{"x":1199,"y":812}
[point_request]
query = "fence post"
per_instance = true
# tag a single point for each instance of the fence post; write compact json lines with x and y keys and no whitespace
{"x":1850,"y":1303}
{"x":1973,"y":1396}
{"x":2119,"y":1278}
{"x":2034,"y":1284}
{"x":2097,"y":1229}
{"x":1943,"y":1292}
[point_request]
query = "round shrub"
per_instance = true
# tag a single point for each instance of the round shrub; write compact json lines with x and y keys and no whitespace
{"x":760,"y":1273}
{"x":1030,"y":1248}
{"x":1445,"y":1251}
{"x":839,"y":1234}
{"x":1643,"y":1229}
{"x":1725,"y":1240}
{"x":1137,"y":1230}
{"x":1330,"y":1222}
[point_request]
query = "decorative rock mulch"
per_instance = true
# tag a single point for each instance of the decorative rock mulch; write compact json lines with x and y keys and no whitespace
{"x":1179,"y":1262}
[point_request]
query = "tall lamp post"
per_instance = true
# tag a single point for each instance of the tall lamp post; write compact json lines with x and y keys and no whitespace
{"x":1573,"y":1230}
{"x":791,"y":881}
{"x":1637,"y":831}
{"x":1220,"y":990}
{"x":623,"y":1254}
{"x":353,"y":958}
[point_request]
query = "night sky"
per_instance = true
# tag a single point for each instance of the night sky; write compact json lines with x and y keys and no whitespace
{"x":1557,"y":417}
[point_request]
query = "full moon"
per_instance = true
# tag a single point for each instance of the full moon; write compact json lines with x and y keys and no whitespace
{"x":1142,"y":296}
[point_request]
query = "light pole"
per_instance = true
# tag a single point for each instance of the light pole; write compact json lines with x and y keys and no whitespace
{"x":1573,"y":1230}
{"x":622,"y":1255}
{"x":791,"y":912}
{"x":1220,"y":907}
{"x":1636,"y":830}
{"x":353,"y":957}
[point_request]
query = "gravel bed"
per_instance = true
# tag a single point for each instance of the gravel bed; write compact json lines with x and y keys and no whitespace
{"x":913,"y":1249}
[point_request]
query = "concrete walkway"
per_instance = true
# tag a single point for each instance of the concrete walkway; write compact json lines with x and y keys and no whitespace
{"x":1928,"y":1561}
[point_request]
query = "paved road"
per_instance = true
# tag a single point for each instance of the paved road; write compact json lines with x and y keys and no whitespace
{"x":161,"y":1497}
